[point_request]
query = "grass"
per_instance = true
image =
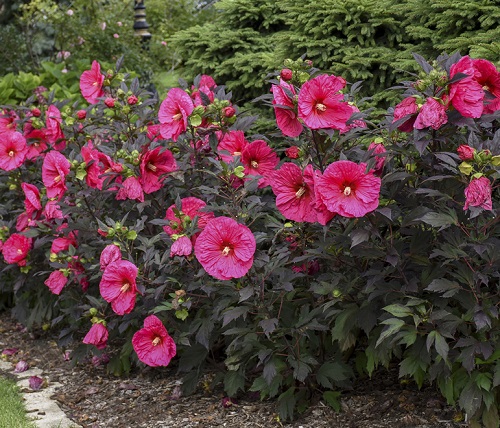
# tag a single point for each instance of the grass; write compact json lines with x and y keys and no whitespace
{"x":12,"y":413}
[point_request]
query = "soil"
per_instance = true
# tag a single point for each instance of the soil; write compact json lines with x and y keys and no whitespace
{"x":151,"y":398}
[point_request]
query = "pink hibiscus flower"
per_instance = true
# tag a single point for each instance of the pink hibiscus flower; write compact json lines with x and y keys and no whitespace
{"x":259,"y":159}
{"x":91,"y":82}
{"x":154,"y":165}
{"x":322,"y":213}
{"x":182,"y":246}
{"x":346,"y":189}
{"x":466,"y":95}
{"x":8,"y":120}
{"x":225,"y":248}
{"x":13,"y":150}
{"x":53,"y":132}
{"x":488,"y":77}
{"x":174,"y":112}
{"x":478,"y":194}
{"x":52,"y":211}
{"x":91,"y":158}
{"x":16,"y":248}
{"x":118,"y":286}
{"x":63,"y":243}
{"x":37,"y":141}
{"x":191,"y":207}
{"x":97,"y":336}
{"x":130,"y":189}
{"x":153,"y":344}
{"x":294,"y":192}
{"x":285,"y":109}
{"x":406,"y":108}
{"x":110,"y":254}
{"x":56,"y":282}
{"x":378,"y":149}
{"x":55,"y":167}
{"x":233,"y":142}
{"x":432,"y":114}
{"x":32,"y":201}
{"x":321,"y":105}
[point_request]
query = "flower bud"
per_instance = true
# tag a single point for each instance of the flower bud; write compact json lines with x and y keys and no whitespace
{"x":93,"y":311}
{"x":82,"y":114}
{"x":132,"y":100}
{"x":36,"y":112}
{"x":110,"y":102}
{"x":229,"y":111}
{"x":286,"y":74}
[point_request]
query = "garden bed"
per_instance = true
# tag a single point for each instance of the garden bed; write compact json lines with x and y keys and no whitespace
{"x":93,"y":398}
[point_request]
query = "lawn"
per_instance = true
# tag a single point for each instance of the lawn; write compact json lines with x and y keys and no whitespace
{"x":13,"y":413}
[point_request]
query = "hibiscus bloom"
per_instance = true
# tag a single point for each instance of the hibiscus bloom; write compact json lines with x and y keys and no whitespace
{"x":13,"y":150}
{"x":285,"y":109}
{"x":321,"y":105}
{"x":91,"y":158}
{"x":358,"y":123}
{"x":16,"y":248}
{"x":130,"y":189}
{"x":432,"y":114}
{"x":478,"y":194}
{"x":8,"y":121}
{"x":294,"y":192}
{"x":110,"y":254}
{"x":467,"y":94}
{"x":182,"y":246}
{"x":52,"y":210}
{"x":233,"y":142}
{"x":55,"y":167}
{"x":153,"y":344}
{"x":191,"y":207}
{"x":206,"y":85}
{"x":406,"y":108}
{"x":53,"y":132}
{"x":97,"y":336}
{"x":91,"y":82}
{"x":118,"y":286}
{"x":225,"y":248}
{"x":36,"y":139}
{"x":174,"y":112}
{"x":377,"y":149}
{"x":488,"y":77}
{"x":56,"y":281}
{"x":259,"y":159}
{"x":346,"y":189}
{"x":322,"y":213}
{"x":63,"y":243}
{"x":154,"y":165}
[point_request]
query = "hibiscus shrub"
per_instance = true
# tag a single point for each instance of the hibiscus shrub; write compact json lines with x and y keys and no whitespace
{"x":295,"y":261}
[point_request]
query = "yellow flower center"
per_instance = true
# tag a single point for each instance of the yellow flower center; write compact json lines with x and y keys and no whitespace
{"x":11,"y":153}
{"x":300,"y":192}
{"x":156,"y":341}
{"x":347,"y":191}
{"x":152,"y":167}
{"x":254,"y":164}
{"x":19,"y":251}
{"x":125,"y":287}
{"x":236,"y":153}
{"x":226,"y":251}
{"x":57,"y":179}
{"x":320,"y":107}
{"x":177,"y":116}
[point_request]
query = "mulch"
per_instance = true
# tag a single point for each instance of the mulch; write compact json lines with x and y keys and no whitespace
{"x":150,"y":398}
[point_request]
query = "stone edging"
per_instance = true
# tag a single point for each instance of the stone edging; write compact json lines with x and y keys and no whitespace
{"x":44,"y":411}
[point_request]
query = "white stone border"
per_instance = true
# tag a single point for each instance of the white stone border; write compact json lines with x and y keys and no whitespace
{"x":44,"y":411}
